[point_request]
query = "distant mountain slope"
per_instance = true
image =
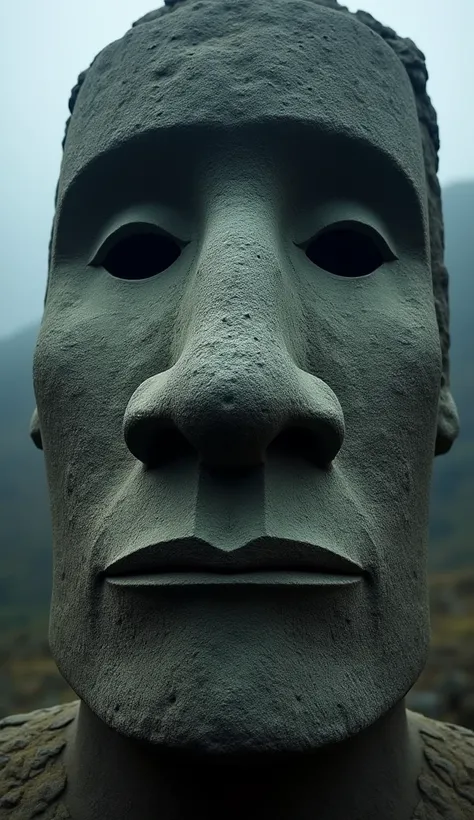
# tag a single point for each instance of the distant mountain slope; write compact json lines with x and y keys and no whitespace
{"x":25,"y":535}
{"x":452,"y":509}
{"x":25,"y":552}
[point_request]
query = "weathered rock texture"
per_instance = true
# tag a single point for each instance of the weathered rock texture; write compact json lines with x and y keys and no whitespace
{"x":414,"y":62}
{"x":33,"y":776}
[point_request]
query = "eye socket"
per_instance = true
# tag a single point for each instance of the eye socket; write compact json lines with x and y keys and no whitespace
{"x":348,"y":251}
{"x":140,"y":255}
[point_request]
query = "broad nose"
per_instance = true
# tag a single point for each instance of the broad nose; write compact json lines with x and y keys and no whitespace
{"x":231,"y":414}
{"x":235,"y":390}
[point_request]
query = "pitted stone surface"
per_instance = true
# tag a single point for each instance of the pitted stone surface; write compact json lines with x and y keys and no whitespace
{"x":447,"y":779}
{"x":33,"y":776}
{"x":32,"y":773}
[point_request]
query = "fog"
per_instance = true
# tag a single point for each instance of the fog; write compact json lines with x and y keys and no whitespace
{"x":43,"y":47}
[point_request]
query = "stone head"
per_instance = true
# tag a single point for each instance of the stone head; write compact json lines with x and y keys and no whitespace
{"x":242,"y":376}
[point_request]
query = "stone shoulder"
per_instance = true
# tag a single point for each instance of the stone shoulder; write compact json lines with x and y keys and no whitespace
{"x":32,"y":773}
{"x":447,"y":779}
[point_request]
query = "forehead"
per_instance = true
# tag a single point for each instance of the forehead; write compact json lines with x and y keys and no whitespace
{"x":222,"y":66}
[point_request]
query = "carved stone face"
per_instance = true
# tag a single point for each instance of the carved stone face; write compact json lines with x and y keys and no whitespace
{"x":238,"y":369}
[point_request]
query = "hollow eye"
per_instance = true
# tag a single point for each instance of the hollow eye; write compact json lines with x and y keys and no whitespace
{"x":348,"y":251}
{"x":138,"y":255}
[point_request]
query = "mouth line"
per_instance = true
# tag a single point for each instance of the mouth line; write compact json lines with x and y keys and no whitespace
{"x":235,"y":569}
{"x":254,"y":577}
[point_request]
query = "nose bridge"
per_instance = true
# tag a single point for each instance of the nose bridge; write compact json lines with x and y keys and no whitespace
{"x":234,"y":386}
{"x":234,"y":290}
{"x":233,"y":354}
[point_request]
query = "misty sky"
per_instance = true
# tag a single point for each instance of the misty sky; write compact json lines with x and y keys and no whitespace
{"x":44,"y":44}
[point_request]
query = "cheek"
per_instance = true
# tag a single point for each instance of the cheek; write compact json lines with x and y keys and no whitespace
{"x":381,"y":356}
{"x":78,"y":381}
{"x":390,"y":403}
{"x":376,"y":343}
{"x":93,"y":351}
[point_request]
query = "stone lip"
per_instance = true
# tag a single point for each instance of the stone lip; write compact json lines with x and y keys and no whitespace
{"x":264,"y":554}
{"x":261,"y":579}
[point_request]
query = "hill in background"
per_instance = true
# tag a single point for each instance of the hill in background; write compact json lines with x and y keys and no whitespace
{"x":452,"y":507}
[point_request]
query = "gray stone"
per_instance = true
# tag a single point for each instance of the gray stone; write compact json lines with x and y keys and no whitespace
{"x":242,"y":379}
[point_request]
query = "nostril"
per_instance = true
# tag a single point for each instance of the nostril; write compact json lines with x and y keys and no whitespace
{"x":156,"y":444}
{"x":233,"y":420}
{"x":300,"y":442}
{"x":170,"y":444}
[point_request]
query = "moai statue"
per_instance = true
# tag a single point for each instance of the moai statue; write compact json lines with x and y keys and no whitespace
{"x":242,"y":381}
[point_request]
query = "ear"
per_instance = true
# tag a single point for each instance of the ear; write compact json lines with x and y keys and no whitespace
{"x":35,"y":432}
{"x":448,"y":422}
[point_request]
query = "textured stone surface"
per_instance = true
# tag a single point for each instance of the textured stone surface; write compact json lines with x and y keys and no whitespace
{"x":33,"y":776}
{"x":447,"y":752}
{"x":447,"y":779}
{"x":415,"y":65}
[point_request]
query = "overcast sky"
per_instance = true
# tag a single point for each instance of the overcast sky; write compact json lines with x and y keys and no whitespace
{"x":44,"y":44}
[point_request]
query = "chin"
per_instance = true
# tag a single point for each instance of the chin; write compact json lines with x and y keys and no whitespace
{"x":220,"y":678}
{"x":295,"y":715}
